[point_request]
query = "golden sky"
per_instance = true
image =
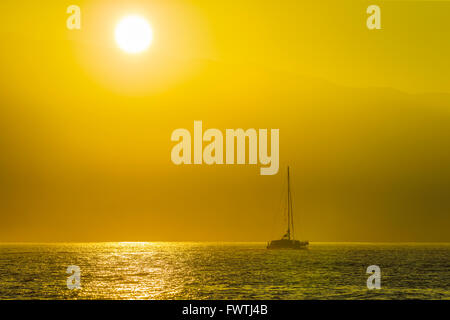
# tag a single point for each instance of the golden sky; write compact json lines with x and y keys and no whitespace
{"x":363,"y":117}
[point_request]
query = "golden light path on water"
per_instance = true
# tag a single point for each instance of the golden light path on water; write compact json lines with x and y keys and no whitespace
{"x":160,"y":270}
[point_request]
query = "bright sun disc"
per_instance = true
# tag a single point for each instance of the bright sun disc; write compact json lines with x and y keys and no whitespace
{"x":133,"y":34}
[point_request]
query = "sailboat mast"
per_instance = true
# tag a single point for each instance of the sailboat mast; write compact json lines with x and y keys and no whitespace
{"x":292,"y":214}
{"x":289,"y":205}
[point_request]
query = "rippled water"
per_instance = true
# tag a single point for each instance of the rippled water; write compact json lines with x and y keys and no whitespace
{"x":223,"y":271}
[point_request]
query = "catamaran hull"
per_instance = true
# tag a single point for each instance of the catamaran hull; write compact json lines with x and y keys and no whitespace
{"x":288,"y":244}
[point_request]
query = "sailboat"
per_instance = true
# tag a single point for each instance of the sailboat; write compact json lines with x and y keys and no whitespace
{"x":288,"y":241}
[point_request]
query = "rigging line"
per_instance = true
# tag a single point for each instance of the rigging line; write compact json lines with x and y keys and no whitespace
{"x":280,"y":208}
{"x":297,"y":219}
{"x":289,"y":205}
{"x":292,"y":212}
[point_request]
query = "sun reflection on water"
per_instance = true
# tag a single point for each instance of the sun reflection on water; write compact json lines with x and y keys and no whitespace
{"x":144,"y":270}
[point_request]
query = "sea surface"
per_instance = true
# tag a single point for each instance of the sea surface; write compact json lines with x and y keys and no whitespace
{"x":159,"y":270}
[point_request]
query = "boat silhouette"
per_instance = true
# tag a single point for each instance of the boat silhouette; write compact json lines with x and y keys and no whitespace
{"x":288,"y":241}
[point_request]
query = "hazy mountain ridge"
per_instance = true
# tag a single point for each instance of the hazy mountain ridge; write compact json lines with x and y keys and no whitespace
{"x":354,"y":153}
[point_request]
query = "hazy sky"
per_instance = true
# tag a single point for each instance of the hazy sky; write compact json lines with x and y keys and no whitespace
{"x":363,"y":117}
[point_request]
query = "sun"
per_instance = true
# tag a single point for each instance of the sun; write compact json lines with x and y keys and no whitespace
{"x":133,"y":34}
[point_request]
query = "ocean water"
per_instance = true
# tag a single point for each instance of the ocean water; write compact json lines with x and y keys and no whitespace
{"x":153,"y":270}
